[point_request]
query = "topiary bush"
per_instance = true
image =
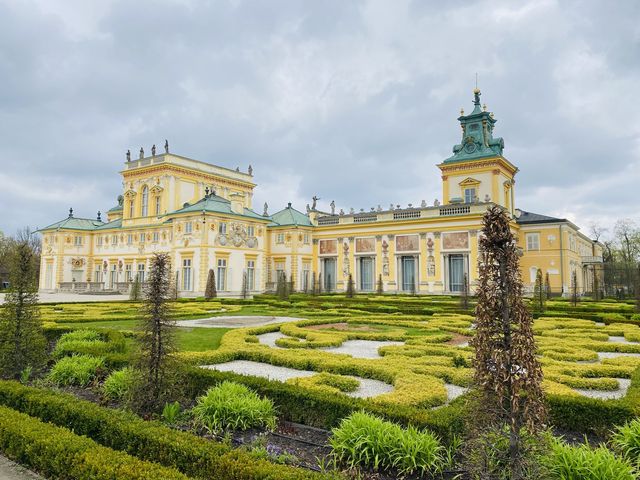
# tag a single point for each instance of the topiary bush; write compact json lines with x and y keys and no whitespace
{"x":365,"y":440}
{"x":232,"y":406}
{"x":78,"y":370}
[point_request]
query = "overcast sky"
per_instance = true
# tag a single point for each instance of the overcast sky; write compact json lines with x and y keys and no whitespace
{"x":353,"y":101}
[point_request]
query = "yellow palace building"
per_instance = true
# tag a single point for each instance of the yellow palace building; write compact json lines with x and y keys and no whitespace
{"x":201,"y":214}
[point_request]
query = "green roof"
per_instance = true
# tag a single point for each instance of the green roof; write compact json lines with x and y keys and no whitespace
{"x":477,"y":135}
{"x":117,"y":208}
{"x":106,"y":226}
{"x":290,"y":216}
{"x":214,"y":204}
{"x":73,"y":223}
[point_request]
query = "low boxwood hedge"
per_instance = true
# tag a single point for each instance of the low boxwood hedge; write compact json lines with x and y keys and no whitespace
{"x":148,"y":440}
{"x":58,"y":453}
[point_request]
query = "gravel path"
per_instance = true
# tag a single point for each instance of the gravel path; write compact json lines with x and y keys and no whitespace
{"x":623,"y":386}
{"x":10,"y":470}
{"x":361,"y":348}
{"x":270,"y":338}
{"x":368,"y":388}
{"x":602,"y":355}
{"x":622,"y":340}
{"x":74,"y":297}
{"x":231,"y":321}
{"x":454,"y":391}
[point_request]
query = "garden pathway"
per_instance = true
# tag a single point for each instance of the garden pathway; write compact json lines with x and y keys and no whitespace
{"x":231,"y":321}
{"x":10,"y":470}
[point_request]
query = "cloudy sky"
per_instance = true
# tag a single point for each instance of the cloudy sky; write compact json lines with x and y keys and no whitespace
{"x":353,"y":101}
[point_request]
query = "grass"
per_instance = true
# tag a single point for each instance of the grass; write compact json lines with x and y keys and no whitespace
{"x":199,"y":339}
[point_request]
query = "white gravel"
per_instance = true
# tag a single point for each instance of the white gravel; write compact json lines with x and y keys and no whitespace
{"x":231,"y":321}
{"x":621,"y":340}
{"x":361,"y":348}
{"x":10,"y":470}
{"x":463,"y":344}
{"x":602,"y":355}
{"x":623,"y":386}
{"x":600,"y":324}
{"x":270,"y":338}
{"x":454,"y":391}
{"x":368,"y":388}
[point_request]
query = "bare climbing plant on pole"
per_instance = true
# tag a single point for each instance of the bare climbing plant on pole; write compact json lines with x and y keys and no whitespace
{"x":508,"y":412}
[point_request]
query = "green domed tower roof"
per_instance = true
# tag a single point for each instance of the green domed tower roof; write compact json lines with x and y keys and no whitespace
{"x":477,"y":135}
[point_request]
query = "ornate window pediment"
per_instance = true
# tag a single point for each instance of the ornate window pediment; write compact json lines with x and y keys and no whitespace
{"x":156,"y":189}
{"x":469,"y":182}
{"x":129,"y":194}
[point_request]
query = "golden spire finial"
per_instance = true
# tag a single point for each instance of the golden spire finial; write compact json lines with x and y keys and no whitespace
{"x":461,"y":112}
{"x":484,"y":107}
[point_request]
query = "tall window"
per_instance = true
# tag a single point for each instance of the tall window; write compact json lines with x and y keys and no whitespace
{"x":279,"y":270}
{"x":222,"y":274}
{"x":251,"y":274}
{"x":469,"y":195}
{"x":307,"y":239}
{"x":145,"y":201}
{"x":305,"y":276}
{"x":77,"y":241}
{"x":131,"y":208}
{"x":141,"y":272}
{"x":142,"y":238}
{"x":158,"y":205}
{"x":130,"y":239}
{"x":188,"y":227}
{"x":251,"y":231}
{"x":114,"y":239}
{"x":127,"y":272}
{"x":222,"y":228}
{"x":533,"y":241}
{"x":186,"y":274}
{"x":99,"y":241}
{"x":280,"y":238}
{"x":156,"y":237}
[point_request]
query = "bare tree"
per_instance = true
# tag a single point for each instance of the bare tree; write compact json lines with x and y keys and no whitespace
{"x":509,"y":404}
{"x":22,"y":342}
{"x":156,"y":341}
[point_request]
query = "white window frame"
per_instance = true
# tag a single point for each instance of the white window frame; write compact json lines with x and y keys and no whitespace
{"x":221,"y":278}
{"x":280,"y":238}
{"x":145,"y":201}
{"x":187,"y":269}
{"x":222,"y":228}
{"x":251,"y":231}
{"x":77,"y":240}
{"x":188,"y":227}
{"x":471,"y":190}
{"x":532,"y":242}
{"x":251,"y":275}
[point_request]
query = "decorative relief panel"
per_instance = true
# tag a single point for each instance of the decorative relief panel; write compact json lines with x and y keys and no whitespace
{"x":328,"y":247}
{"x":407,"y":243}
{"x":455,"y":241}
{"x":366,"y":245}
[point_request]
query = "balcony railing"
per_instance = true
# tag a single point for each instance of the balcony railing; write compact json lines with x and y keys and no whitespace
{"x":591,"y":260}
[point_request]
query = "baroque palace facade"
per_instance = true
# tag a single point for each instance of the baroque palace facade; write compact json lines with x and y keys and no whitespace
{"x":201,"y":214}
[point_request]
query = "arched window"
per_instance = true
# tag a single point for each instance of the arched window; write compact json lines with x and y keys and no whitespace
{"x":145,"y":201}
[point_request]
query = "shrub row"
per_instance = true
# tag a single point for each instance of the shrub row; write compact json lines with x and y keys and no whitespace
{"x":190,"y":454}
{"x":322,"y":409}
{"x":58,"y":453}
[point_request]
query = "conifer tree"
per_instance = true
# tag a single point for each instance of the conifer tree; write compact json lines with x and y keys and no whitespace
{"x":464,"y":294}
{"x":539,"y":296}
{"x":156,"y":341}
{"x":175,"y":288}
{"x":210,"y":289}
{"x":313,"y":284}
{"x":574,"y":288}
{"x":245,"y":286}
{"x":547,"y":286}
{"x":319,"y":283}
{"x":135,"y":291}
{"x":22,"y":342}
{"x":509,"y":402}
{"x":380,"y":287}
{"x":596,"y":285}
{"x":350,"y":287}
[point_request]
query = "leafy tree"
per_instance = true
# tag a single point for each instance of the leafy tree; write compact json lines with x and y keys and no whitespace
{"x":350,"y":287}
{"x":210,"y":289}
{"x":156,"y":342}
{"x":136,"y":290}
{"x":509,"y":401}
{"x":22,"y":342}
{"x":380,"y":287}
{"x":539,"y":297}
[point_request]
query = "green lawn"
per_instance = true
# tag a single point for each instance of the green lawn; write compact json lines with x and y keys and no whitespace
{"x":199,"y":339}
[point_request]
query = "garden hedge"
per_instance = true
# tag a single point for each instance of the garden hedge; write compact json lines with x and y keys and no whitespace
{"x":55,"y":452}
{"x":148,"y":440}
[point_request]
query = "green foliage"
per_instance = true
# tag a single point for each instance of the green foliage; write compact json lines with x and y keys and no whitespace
{"x":25,"y":375}
{"x":210,"y":289}
{"x":342,"y":383}
{"x":147,"y":440}
{"x":58,"y":453}
{"x":78,"y":370}
{"x":364,"y":440}
{"x":135,"y":291}
{"x":626,"y":440}
{"x":171,"y":413}
{"x":567,"y":462}
{"x":539,"y":294}
{"x":119,"y":384}
{"x":350,"y":287}
{"x":232,"y":406}
{"x":22,"y":342}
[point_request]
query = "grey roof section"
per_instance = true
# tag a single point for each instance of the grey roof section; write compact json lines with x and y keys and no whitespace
{"x":215,"y":204}
{"x":290,"y":216}
{"x":530,"y":217}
